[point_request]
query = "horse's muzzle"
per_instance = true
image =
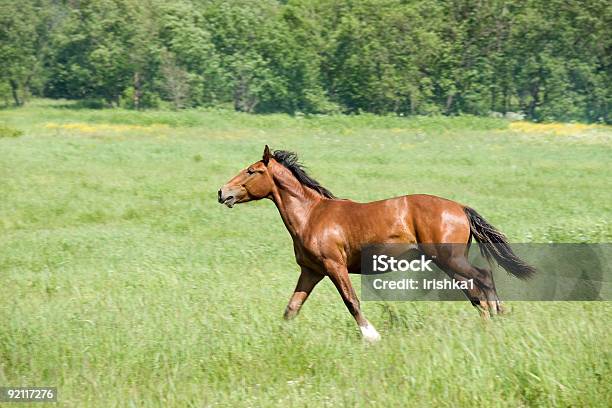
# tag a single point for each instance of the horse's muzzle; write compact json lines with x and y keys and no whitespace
{"x":229,"y":200}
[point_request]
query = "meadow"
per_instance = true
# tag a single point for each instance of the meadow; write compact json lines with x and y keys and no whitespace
{"x":125,"y":284}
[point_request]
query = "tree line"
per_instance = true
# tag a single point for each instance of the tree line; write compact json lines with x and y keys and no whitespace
{"x":549,"y":59}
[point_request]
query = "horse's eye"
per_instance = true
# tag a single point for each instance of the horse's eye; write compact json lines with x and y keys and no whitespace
{"x":249,"y":172}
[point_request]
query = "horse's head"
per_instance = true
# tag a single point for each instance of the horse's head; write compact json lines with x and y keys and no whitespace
{"x":253,"y":183}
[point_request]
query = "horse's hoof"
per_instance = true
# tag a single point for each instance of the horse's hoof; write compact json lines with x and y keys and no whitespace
{"x":369,"y":333}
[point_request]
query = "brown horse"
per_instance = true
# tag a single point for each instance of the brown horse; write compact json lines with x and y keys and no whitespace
{"x":328,"y":233}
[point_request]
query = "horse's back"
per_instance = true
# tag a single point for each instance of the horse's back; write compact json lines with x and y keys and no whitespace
{"x":408,"y":218}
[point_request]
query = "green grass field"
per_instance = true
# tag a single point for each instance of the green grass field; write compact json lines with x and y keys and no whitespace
{"x":125,"y":283}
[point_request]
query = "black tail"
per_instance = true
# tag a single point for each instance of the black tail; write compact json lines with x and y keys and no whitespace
{"x":494,"y":244}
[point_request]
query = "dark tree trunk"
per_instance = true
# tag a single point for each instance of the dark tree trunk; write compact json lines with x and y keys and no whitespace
{"x":137,"y":90}
{"x":15,"y":92}
{"x":506,"y":99}
{"x":449,"y":103}
{"x":535,"y":93}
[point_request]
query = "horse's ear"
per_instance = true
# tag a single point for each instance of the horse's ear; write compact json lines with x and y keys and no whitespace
{"x":266,"y":155}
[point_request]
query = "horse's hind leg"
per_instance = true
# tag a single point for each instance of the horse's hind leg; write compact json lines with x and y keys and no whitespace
{"x":493,"y":301}
{"x":483,"y":295}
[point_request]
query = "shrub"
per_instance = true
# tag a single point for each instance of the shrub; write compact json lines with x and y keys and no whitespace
{"x":6,"y":131}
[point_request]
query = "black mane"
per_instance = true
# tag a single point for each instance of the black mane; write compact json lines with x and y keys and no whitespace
{"x":290,"y":161}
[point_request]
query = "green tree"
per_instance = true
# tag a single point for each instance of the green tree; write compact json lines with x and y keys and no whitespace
{"x":92,"y":56}
{"x":548,"y":59}
{"x":22,"y":40}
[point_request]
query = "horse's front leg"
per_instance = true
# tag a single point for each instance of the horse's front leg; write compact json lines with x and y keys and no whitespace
{"x":307,"y":281}
{"x":338,"y":273}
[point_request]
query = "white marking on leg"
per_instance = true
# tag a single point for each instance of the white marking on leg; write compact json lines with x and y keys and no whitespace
{"x":369,"y":333}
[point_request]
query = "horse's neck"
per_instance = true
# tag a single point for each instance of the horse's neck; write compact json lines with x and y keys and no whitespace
{"x":294,"y":203}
